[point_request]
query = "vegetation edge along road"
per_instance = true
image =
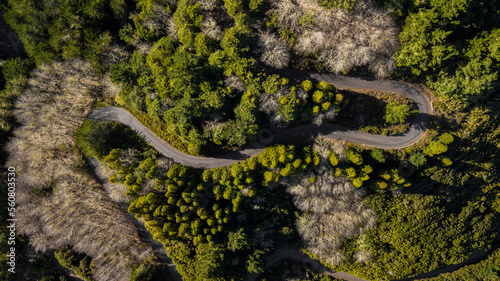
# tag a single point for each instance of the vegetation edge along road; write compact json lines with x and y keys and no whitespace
{"x":117,"y":114}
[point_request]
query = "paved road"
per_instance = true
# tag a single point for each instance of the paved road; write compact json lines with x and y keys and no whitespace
{"x":268,"y":137}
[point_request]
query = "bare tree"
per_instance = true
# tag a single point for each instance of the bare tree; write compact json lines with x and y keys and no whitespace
{"x":235,"y":82}
{"x":288,"y":13}
{"x":213,"y":122}
{"x":59,"y":206}
{"x":113,"y":54}
{"x":172,"y":30}
{"x":333,"y":210}
{"x":268,"y":104}
{"x":273,"y":50}
{"x":211,"y":29}
{"x":365,"y":36}
{"x":109,"y":89}
{"x":310,"y":42}
{"x":207,"y":5}
{"x":157,"y":19}
{"x":144,"y":47}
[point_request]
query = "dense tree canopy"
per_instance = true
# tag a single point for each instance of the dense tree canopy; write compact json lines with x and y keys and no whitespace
{"x":454,"y":44}
{"x":202,"y":75}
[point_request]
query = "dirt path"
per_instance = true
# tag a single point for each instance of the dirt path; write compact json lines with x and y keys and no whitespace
{"x":294,"y":253}
{"x":10,"y":44}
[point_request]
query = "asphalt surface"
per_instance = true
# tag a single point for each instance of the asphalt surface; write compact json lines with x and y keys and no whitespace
{"x":268,"y":137}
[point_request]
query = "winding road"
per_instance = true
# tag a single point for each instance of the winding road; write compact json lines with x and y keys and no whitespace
{"x":268,"y":137}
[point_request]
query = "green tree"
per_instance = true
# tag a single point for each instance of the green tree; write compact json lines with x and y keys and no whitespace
{"x":418,"y":159}
{"x":451,"y":43}
{"x":208,"y":261}
{"x":334,"y":160}
{"x":307,"y":85}
{"x":237,"y":240}
{"x":255,"y":263}
{"x":16,"y":67}
{"x":378,"y":155}
{"x":354,"y":156}
{"x":435,"y":148}
{"x":396,"y":113}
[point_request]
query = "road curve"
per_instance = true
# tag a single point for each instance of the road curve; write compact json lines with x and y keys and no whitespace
{"x":268,"y":137}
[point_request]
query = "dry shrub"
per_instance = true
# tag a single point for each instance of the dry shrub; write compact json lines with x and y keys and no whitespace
{"x":207,"y":5}
{"x":273,"y":50}
{"x":157,"y":19}
{"x":235,"y":82}
{"x":60,"y":204}
{"x":365,"y":36}
{"x":333,"y":210}
{"x":211,"y":29}
{"x":109,"y":89}
{"x":269,"y":104}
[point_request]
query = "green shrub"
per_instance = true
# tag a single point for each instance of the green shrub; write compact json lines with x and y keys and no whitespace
{"x":354,"y":156}
{"x":16,"y":67}
{"x":350,"y":172}
{"x":446,"y":162}
{"x":318,"y":96}
{"x":418,"y":159}
{"x":357,"y":182}
{"x":378,"y":155}
{"x":333,"y":159}
{"x":397,"y":113}
{"x":255,"y":264}
{"x":80,"y":264}
{"x":307,"y":85}
{"x":435,"y":148}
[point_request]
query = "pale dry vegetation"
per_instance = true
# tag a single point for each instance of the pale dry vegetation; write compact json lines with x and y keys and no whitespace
{"x":235,"y":82}
{"x":116,"y":191}
{"x":269,"y":104}
{"x":211,"y":29}
{"x":109,"y":89}
{"x":60,"y":204}
{"x":159,"y":20}
{"x":332,"y":211}
{"x":365,"y":36}
{"x":273,"y":50}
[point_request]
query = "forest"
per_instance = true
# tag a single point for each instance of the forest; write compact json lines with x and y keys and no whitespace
{"x":208,"y":77}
